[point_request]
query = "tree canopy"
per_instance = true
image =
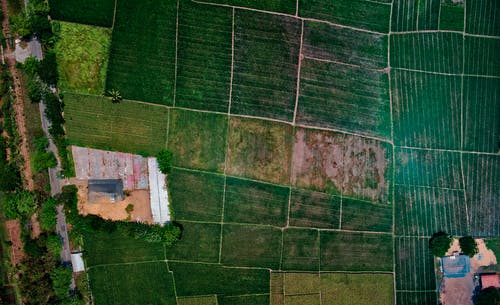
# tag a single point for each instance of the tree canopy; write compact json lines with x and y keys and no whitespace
{"x":468,"y":246}
{"x":488,"y":296}
{"x":164,"y":158}
{"x":440,"y":243}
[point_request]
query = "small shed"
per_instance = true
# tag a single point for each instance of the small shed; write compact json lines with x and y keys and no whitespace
{"x":77,"y":262}
{"x":99,"y":189}
{"x":455,"y":266}
{"x":490,"y":280}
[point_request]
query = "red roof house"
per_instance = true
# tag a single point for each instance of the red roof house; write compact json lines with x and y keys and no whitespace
{"x":490,"y":280}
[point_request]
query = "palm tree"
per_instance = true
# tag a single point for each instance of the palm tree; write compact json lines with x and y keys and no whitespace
{"x":115,"y":95}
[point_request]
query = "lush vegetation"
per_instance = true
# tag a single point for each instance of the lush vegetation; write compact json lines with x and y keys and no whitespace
{"x":439,"y":243}
{"x":126,"y":127}
{"x":82,"y":57}
{"x":468,"y":245}
{"x":33,"y":21}
{"x":414,"y":265}
{"x":488,"y":296}
{"x":94,"y":12}
{"x":164,"y":158}
{"x":41,"y":159}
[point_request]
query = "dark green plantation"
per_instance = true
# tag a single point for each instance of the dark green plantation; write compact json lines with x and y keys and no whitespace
{"x":314,"y":139}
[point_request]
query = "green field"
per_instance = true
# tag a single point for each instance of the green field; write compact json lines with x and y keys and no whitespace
{"x":300,"y":250}
{"x":264,"y":82}
{"x":347,"y":251}
{"x":208,"y":300}
{"x":199,"y":243}
{"x":428,"y":168}
{"x":113,"y":248}
{"x":414,"y":264}
{"x":94,"y":12}
{"x":260,"y":150}
{"x":203,"y":279}
{"x":251,"y":246}
{"x":415,"y":15}
{"x":82,"y":57}
{"x":254,"y":202}
{"x":127,"y":126}
{"x":481,"y":123}
{"x":482,"y":17}
{"x":356,"y":13}
{"x":434,"y":52}
{"x":132,"y":284}
{"x":360,"y":215}
{"x":243,"y":300}
{"x":483,"y":194}
{"x":331,"y":288}
{"x":198,"y":139}
{"x":314,"y":209}
{"x":426,"y":110}
{"x":142,"y":60}
{"x":416,"y":298}
{"x":344,"y":98}
{"x":204,"y":57}
{"x":421,"y":211}
{"x":451,"y":17}
{"x":196,"y":196}
{"x":481,"y":56}
{"x":344,"y":45}
{"x":282,"y":6}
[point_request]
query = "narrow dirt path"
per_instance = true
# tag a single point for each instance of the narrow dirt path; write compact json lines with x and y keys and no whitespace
{"x":18,"y":103}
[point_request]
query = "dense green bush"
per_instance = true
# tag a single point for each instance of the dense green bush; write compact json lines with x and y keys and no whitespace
{"x":61,"y":279}
{"x":440,"y":243}
{"x":48,"y":215}
{"x":165,"y":161}
{"x":41,"y":159}
{"x":19,"y":204}
{"x":488,"y":296}
{"x":468,"y":246}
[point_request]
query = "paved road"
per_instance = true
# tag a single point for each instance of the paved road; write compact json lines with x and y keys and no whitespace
{"x":55,"y":185}
{"x":63,"y":233}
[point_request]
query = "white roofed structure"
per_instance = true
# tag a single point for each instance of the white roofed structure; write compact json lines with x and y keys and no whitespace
{"x":77,"y":262}
{"x":158,"y":193}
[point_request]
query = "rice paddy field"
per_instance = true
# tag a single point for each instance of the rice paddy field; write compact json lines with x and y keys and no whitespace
{"x":317,"y":145}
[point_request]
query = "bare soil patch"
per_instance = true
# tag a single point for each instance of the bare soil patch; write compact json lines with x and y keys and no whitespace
{"x":338,"y":163}
{"x":115,"y":211}
{"x":35,"y":226}
{"x":16,"y":248}
{"x":459,"y":291}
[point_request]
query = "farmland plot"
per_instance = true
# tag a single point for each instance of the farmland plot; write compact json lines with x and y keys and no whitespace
{"x":314,"y":209}
{"x":206,"y":279}
{"x":361,"y":14}
{"x":434,"y":52}
{"x":344,"y":98}
{"x":251,"y":246}
{"x":429,"y":168}
{"x":482,"y":180}
{"x":142,"y":60}
{"x":280,"y":6}
{"x":426,"y":110}
{"x":483,"y":17}
{"x":207,"y":300}
{"x":344,"y":45}
{"x":422,"y":211}
{"x":451,"y":16}
{"x":300,"y":250}
{"x":260,"y":150}
{"x":481,"y":123}
{"x":93,"y":12}
{"x":243,"y":300}
{"x":199,"y":243}
{"x":416,"y":297}
{"x":198,"y":139}
{"x":266,"y":59}
{"x":481,"y":56}
{"x":360,"y":215}
{"x":204,"y":56}
{"x":414,"y":264}
{"x":127,"y":127}
{"x":132,"y":284}
{"x":338,"y":163}
{"x":348,"y":251}
{"x":415,"y":15}
{"x":196,"y":196}
{"x":254,"y":202}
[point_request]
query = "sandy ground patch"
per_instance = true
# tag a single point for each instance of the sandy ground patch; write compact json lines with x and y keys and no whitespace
{"x":115,"y":211}
{"x":35,"y":226}
{"x":459,"y":291}
{"x":16,"y":248}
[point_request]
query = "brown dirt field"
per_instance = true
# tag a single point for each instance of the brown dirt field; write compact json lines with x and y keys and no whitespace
{"x":260,"y":150}
{"x":35,"y":226}
{"x":459,"y":291}
{"x":16,"y":249}
{"x":338,"y":163}
{"x":115,"y":211}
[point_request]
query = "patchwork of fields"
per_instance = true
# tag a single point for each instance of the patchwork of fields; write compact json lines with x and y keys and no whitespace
{"x":317,"y":144}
